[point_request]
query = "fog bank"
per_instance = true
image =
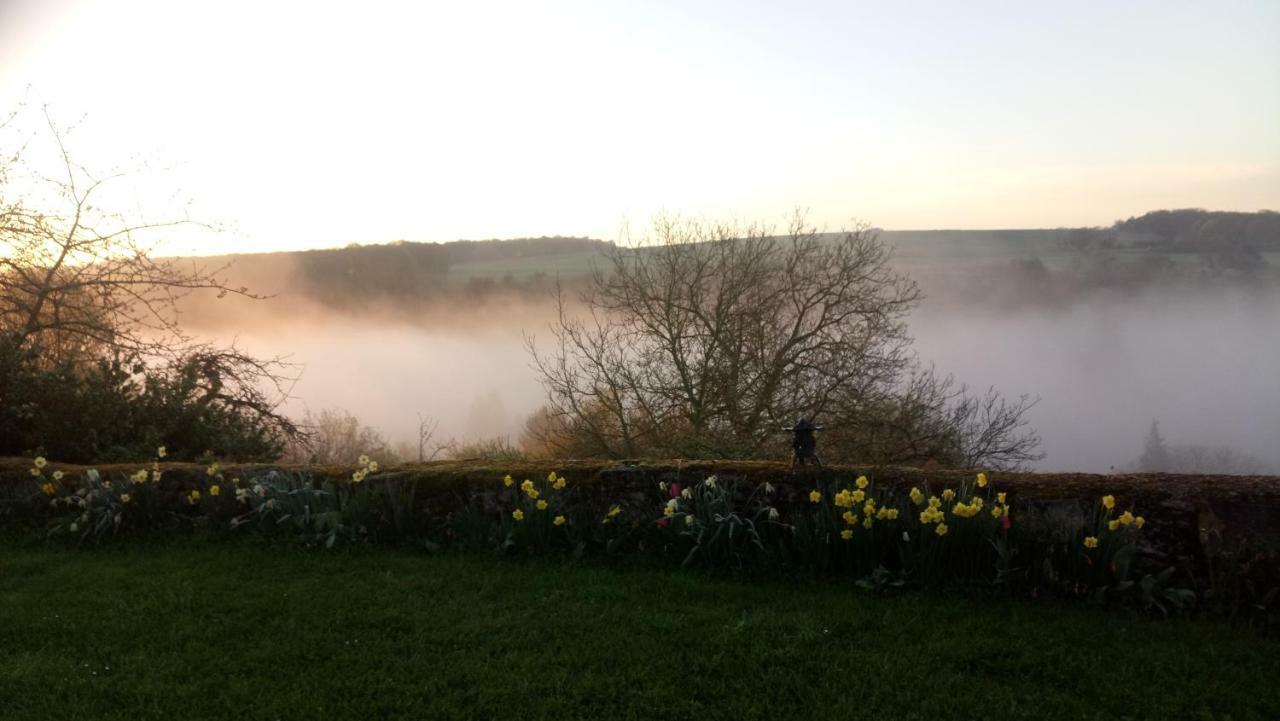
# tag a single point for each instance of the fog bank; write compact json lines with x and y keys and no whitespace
{"x":1207,"y":365}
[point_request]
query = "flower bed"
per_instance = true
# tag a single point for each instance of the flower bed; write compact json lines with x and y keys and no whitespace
{"x":1165,"y":543}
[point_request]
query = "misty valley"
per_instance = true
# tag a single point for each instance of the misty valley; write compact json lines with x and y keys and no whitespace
{"x":1197,"y":355}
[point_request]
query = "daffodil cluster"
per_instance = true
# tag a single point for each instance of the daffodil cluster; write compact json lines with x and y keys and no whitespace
{"x":537,"y":496}
{"x":367,"y":466}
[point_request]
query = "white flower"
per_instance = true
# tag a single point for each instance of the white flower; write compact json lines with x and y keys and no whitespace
{"x":364,"y":460}
{"x":74,"y":527}
{"x":711,"y":482}
{"x":673,"y":504}
{"x":41,"y":462}
{"x":662,"y":486}
{"x":768,"y":487}
{"x":688,"y":520}
{"x":773,"y":514}
{"x":373,"y":466}
{"x":906,"y":536}
{"x":686,"y":494}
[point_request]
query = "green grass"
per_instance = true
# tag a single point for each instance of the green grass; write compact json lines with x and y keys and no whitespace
{"x":244,"y":632}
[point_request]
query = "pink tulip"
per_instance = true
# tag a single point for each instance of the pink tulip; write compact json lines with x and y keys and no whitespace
{"x":674,"y":488}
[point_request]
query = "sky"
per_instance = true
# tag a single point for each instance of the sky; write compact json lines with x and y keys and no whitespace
{"x":298,"y":125}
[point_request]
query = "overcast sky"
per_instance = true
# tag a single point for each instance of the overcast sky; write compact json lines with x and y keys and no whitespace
{"x":314,"y":124}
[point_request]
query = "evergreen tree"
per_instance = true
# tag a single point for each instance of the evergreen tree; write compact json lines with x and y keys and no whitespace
{"x":1155,"y":453}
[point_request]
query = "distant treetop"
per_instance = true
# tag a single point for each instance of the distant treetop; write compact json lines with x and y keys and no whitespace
{"x":1198,"y":229}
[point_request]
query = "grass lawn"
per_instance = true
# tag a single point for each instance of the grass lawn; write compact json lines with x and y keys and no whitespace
{"x":190,"y":631}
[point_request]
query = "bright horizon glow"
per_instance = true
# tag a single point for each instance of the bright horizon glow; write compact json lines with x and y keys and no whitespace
{"x":303,"y":127}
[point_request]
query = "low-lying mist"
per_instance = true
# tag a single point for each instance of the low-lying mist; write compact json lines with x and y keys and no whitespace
{"x":1204,"y":363}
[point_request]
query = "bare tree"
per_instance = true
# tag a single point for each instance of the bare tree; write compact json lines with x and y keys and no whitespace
{"x":427,"y":426}
{"x":79,"y":282}
{"x":336,"y":436}
{"x":699,"y":343}
{"x":77,"y":277}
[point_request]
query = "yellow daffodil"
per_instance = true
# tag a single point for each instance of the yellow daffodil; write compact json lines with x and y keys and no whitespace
{"x":846,"y":534}
{"x":867,"y":522}
{"x":916,"y":496}
{"x":559,"y":521}
{"x":48,"y":489}
{"x":40,"y":462}
{"x":849,"y":517}
{"x":948,"y":495}
{"x":1000,"y":497}
{"x":891,"y":514}
{"x":1108,"y":502}
{"x":982,"y":480}
{"x":934,"y":502}
{"x":1139,"y":522}
{"x":57,"y":475}
{"x":1091,"y":542}
{"x":508,"y":481}
{"x":551,"y":477}
{"x":161,"y":452}
{"x":996,"y":512}
{"x":559,"y":484}
{"x":212,"y":470}
{"x":858,"y":496}
{"x":815,"y":496}
{"x":1113,"y":525}
{"x":862,"y":482}
{"x":542,"y":505}
{"x":527,"y":485}
{"x":518,"y":514}
{"x":841,"y":499}
{"x":1126,"y":518}
{"x":193,"y":497}
{"x":35,"y":471}
{"x":214,"y":490}
{"x":125,"y":498}
{"x":614,"y":511}
{"x":941,"y":530}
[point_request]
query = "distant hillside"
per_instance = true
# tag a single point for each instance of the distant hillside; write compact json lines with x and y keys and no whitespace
{"x":1166,"y":246}
{"x":1193,"y":229}
{"x":403,"y":269}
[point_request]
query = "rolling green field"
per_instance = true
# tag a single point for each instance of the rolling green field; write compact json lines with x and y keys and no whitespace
{"x":226,"y":631}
